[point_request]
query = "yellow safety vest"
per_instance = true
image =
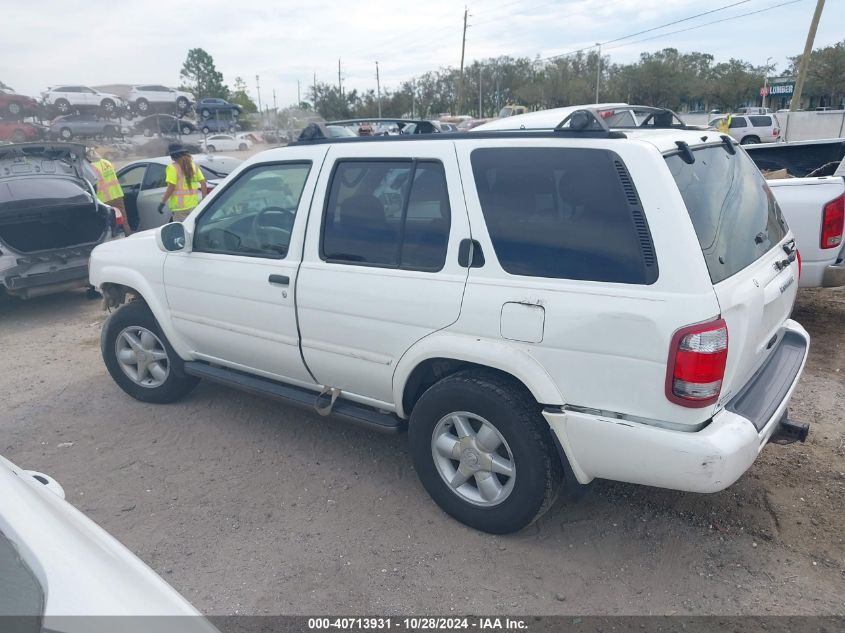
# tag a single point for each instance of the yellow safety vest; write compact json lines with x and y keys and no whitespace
{"x":186,"y":194}
{"x":108,"y":187}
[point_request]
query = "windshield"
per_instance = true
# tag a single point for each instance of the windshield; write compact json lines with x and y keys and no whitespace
{"x":733,"y":211}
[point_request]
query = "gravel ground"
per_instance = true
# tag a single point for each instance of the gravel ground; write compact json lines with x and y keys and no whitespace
{"x":247,"y":506}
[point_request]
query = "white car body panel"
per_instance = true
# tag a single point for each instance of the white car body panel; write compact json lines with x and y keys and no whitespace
{"x":83,"y":570}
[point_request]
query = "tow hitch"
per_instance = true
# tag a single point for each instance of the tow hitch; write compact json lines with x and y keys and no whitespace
{"x":789,"y":431}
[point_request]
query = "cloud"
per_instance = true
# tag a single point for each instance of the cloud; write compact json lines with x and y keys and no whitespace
{"x":98,"y":42}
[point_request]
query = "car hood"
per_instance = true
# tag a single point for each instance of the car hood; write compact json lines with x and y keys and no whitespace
{"x":82,"y":569}
{"x":41,"y":159}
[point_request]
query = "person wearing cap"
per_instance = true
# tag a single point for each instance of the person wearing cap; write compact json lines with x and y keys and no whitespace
{"x":107,"y":187}
{"x":184,"y":182}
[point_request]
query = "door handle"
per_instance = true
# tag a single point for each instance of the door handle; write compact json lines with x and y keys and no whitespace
{"x":282,"y":280}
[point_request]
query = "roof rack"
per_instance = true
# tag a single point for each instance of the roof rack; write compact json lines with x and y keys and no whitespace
{"x":658,"y":118}
{"x":586,"y":123}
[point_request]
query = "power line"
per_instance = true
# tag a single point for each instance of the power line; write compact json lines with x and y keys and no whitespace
{"x":692,"y":28}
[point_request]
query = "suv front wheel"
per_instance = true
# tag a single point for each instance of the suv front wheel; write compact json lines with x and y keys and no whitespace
{"x":139,"y":357}
{"x":484,"y":452}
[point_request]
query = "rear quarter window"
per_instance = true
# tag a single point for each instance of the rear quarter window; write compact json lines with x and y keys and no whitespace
{"x":738,"y":121}
{"x":760,"y":121}
{"x":564,"y":213}
{"x":733,"y":211}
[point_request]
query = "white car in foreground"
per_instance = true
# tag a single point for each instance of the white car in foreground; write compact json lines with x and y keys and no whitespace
{"x":58,"y":565}
{"x":225,"y":143}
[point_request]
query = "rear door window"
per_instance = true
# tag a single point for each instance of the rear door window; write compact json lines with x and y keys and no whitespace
{"x":733,"y":211}
{"x":564,"y":213}
{"x":760,"y":121}
{"x":738,"y":121}
{"x":387,"y":213}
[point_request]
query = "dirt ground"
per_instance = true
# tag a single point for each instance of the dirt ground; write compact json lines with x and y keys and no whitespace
{"x":247,"y":506}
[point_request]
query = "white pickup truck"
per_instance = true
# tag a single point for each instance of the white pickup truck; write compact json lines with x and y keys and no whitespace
{"x":814,"y":206}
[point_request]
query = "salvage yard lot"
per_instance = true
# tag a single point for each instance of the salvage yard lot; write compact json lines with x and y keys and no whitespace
{"x":248,"y":506}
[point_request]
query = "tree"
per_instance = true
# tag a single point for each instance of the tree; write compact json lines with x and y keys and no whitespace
{"x":241,"y":97}
{"x":201,"y":77}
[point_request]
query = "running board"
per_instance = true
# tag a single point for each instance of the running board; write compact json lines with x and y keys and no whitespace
{"x":357,"y":413}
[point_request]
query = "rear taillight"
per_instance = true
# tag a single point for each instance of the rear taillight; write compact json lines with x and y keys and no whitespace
{"x":798,"y":257}
{"x":833,"y":221}
{"x":697,"y":358}
{"x":775,"y":132}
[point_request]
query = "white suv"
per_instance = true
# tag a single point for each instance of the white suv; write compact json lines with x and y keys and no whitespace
{"x":750,"y":129}
{"x":144,"y":99}
{"x":67,"y":98}
{"x":536,"y":307}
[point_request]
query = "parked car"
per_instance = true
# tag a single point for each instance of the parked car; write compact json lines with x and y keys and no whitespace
{"x":18,"y":131}
{"x":814,"y":206}
{"x":67,"y":98}
{"x":62,"y":571}
{"x":526,"y":304}
{"x":209,"y":107}
{"x":751,"y":129}
{"x":14,"y":105}
{"x":471,"y":124}
{"x":143,"y":186}
{"x":448,"y":127}
{"x":145,"y":99}
{"x":73,"y":126}
{"x":210,"y":126}
{"x":225,"y":143}
{"x":421,"y":127}
{"x":50,"y":219}
{"x":163,"y":124}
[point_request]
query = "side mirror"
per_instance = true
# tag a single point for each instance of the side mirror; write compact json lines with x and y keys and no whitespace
{"x":173,"y":237}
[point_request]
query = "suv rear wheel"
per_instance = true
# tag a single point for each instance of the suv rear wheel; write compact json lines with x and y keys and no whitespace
{"x":139,"y":357}
{"x":750,"y":140}
{"x":484,"y":452}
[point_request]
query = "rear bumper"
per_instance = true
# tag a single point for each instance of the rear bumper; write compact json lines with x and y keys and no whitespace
{"x":708,"y":460}
{"x":834,"y":276}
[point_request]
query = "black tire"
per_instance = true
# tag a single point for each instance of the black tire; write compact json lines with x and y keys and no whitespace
{"x":108,"y":105}
{"x":66,"y":133}
{"x":206,"y":130}
{"x":242,"y":147}
{"x":750,"y":140}
{"x":176,"y":385}
{"x":15,"y":109}
{"x":142,"y":105}
{"x":512,"y":411}
{"x":186,"y":129}
{"x":211,"y":149}
{"x":182,"y":104}
{"x":205,"y":113}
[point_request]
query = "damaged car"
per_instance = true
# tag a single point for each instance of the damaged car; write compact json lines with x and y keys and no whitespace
{"x":50,"y":218}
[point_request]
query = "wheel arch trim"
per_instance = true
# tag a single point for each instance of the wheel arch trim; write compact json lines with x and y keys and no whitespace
{"x":484,"y":352}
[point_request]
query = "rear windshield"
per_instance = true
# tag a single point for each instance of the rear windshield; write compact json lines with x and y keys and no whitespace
{"x":735,"y":215}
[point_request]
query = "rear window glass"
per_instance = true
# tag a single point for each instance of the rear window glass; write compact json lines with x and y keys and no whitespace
{"x":738,"y":121}
{"x":564,"y":213}
{"x":735,"y":215}
{"x":760,"y":121}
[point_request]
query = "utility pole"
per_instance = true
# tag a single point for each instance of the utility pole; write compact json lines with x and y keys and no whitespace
{"x":598,"y":71}
{"x":461,"y":76}
{"x":298,"y":97}
{"x":378,"y":91}
{"x":413,"y":100}
{"x":258,"y":90}
{"x":766,"y":82}
{"x":339,"y":80}
{"x":805,"y":58}
{"x":480,"y":111}
{"x":315,"y":91}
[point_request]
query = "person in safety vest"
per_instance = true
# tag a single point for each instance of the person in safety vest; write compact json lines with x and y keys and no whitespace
{"x":107,"y":186}
{"x":725,"y":124}
{"x":184,"y":182}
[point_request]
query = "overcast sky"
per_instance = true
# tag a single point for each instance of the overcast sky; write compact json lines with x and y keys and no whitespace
{"x":102,"y":42}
